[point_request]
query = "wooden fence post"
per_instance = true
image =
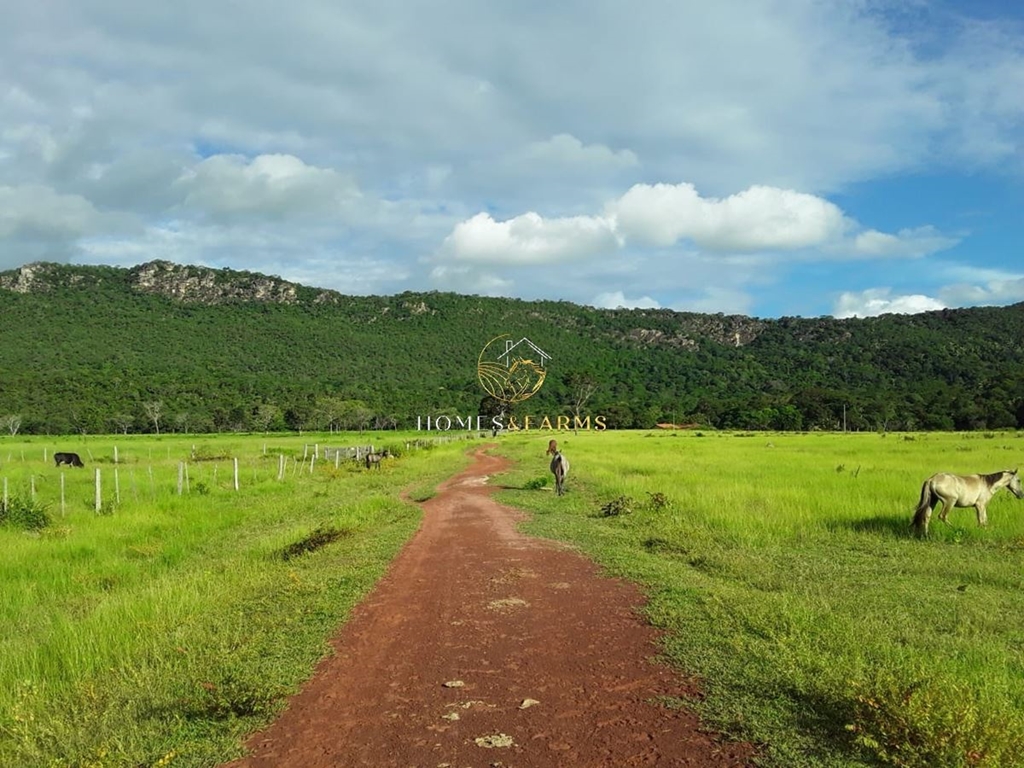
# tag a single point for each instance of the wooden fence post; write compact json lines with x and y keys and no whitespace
{"x":63,"y":510}
{"x":280,"y":466}
{"x":236,"y":474}
{"x":99,"y":492}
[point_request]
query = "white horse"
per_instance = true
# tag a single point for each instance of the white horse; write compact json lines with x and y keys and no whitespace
{"x":962,"y":491}
{"x":559,"y":468}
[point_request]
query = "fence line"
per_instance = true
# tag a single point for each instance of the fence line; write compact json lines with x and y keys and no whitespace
{"x":314,"y":453}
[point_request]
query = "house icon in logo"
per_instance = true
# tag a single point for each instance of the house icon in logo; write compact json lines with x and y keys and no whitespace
{"x":514,"y":374}
{"x":524,"y":345}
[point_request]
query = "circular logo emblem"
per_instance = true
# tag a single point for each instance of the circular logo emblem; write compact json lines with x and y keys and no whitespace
{"x":511,"y":372}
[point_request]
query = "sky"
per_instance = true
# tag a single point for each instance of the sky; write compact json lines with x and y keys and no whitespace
{"x":759,"y":157}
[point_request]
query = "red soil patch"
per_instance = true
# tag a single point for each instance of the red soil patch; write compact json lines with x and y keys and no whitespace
{"x":513,"y":618}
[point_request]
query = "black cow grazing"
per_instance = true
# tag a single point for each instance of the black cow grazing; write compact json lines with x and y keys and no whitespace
{"x":374,"y":459}
{"x":70,"y":459}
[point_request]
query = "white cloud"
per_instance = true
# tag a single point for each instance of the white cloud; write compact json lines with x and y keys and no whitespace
{"x":711,"y":299}
{"x":37,"y":211}
{"x":907,"y":242}
{"x":267,"y":185}
{"x":880,"y":301}
{"x":38,"y":223}
{"x":528,"y":239}
{"x":1005,"y":291}
{"x":566,"y":151}
{"x":618,"y":300}
{"x":469,"y":279}
{"x":757,"y":218}
{"x":753,"y":221}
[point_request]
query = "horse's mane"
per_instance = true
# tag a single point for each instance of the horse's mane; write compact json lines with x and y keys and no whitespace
{"x":995,"y":477}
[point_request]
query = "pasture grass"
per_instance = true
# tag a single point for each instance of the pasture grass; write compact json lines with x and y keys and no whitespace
{"x":165,"y":628}
{"x":791,"y":586}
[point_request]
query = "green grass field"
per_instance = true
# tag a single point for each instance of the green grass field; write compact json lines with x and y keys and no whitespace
{"x":165,"y":628}
{"x":785,"y":571}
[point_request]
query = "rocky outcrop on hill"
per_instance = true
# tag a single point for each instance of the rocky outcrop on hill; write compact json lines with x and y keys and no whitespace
{"x":186,"y":283}
{"x":217,"y":286}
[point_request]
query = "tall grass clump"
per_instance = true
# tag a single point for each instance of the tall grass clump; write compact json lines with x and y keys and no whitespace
{"x":784,"y":568}
{"x":23,"y":513}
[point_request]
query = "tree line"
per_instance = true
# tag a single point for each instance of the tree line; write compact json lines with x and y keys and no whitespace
{"x":86,"y":351}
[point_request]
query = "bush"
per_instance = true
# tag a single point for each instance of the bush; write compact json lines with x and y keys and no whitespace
{"x":933,"y":721}
{"x":622,"y":505}
{"x":656,"y":501}
{"x":27,"y":514}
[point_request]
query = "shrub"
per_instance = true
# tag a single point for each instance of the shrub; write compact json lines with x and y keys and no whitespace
{"x":933,"y":721}
{"x":27,"y":514}
{"x":622,"y":505}
{"x":321,"y":537}
{"x":656,"y":501}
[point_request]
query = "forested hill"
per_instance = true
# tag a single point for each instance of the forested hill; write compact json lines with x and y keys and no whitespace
{"x":102,"y":349}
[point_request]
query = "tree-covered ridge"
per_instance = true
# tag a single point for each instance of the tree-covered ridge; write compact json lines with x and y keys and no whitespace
{"x":160,"y":346}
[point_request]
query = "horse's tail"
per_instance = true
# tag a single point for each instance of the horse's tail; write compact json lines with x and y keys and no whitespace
{"x":924,"y":507}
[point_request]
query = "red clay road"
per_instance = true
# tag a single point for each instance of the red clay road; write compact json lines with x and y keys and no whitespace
{"x":441,"y":665}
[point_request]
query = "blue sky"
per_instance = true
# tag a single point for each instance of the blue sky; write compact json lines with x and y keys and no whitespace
{"x":759,"y":157}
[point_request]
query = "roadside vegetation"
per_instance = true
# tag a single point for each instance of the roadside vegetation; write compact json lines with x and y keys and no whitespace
{"x":165,"y":627}
{"x":786,"y":574}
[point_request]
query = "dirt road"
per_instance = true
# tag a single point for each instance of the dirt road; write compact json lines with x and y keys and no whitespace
{"x":486,"y":647}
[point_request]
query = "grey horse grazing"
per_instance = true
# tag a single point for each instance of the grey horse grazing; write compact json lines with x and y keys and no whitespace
{"x":559,"y":468}
{"x":962,"y":491}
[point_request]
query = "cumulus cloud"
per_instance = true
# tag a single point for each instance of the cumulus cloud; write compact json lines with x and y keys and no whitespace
{"x":566,"y":151}
{"x":37,"y":211}
{"x":528,"y":239}
{"x":907,"y":242}
{"x":469,"y":279}
{"x":38,"y":223}
{"x":710,"y":299}
{"x":757,"y":218}
{"x":880,"y":301}
{"x":618,"y":300}
{"x":267,"y":185}
{"x":1000,"y":291}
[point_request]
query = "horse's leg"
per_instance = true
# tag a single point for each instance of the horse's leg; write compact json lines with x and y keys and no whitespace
{"x":982,"y":515}
{"x":947,"y":504}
